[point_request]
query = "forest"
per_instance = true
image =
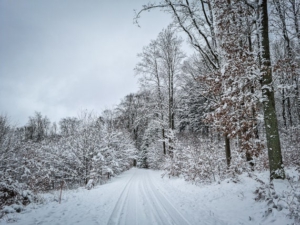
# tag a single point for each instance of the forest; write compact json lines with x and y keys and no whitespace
{"x":231,"y":107}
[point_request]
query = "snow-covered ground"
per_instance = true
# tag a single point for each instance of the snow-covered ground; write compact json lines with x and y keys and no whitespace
{"x":141,"y":197}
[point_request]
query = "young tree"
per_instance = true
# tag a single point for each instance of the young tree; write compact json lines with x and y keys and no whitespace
{"x":160,"y":67}
{"x":150,"y":68}
{"x":37,"y":127}
{"x":68,"y":126}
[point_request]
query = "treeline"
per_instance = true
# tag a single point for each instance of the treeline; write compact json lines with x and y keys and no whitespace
{"x":42,"y":156}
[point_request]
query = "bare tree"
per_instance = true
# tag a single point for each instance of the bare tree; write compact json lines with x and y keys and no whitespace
{"x":160,"y":66}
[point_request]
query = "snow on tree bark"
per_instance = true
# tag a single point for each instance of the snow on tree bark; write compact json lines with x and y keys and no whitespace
{"x":270,"y":118}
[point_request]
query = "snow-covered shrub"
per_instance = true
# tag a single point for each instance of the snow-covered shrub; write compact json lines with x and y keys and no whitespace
{"x":13,"y":196}
{"x":202,"y":159}
{"x":90,"y":184}
{"x":95,"y":150}
{"x":174,"y":158}
{"x":89,"y":148}
{"x":292,"y":196}
{"x":12,"y":192}
{"x":155,"y":155}
{"x":34,"y":163}
{"x":197,"y":160}
{"x":281,"y":195}
{"x":151,"y":154}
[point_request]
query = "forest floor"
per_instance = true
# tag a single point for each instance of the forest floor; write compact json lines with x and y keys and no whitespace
{"x":141,"y":197}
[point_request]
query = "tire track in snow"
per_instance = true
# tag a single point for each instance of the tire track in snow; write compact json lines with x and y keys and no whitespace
{"x":141,"y":203}
{"x":153,"y":212}
{"x":171,"y":213}
{"x":204,"y":216}
{"x":118,"y":210}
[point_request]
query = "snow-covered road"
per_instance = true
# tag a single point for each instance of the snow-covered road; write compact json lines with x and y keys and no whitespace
{"x":141,"y":202}
{"x":141,"y":197}
{"x":136,"y":197}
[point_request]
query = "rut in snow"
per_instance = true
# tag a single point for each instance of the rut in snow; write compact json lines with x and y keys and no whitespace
{"x":141,"y":202}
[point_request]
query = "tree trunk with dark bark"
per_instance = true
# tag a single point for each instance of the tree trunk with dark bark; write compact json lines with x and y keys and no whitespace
{"x":227,"y":150}
{"x":270,"y":119}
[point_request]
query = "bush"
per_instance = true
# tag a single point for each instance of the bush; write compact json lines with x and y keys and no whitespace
{"x":13,"y":196}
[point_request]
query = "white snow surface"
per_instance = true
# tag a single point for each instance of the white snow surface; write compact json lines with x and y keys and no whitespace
{"x":141,"y":197}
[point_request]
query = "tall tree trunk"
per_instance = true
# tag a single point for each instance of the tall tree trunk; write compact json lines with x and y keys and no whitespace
{"x":271,"y":125}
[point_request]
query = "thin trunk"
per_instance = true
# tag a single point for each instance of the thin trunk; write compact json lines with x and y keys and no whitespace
{"x":284,"y":27}
{"x":289,"y":48}
{"x":227,"y":140}
{"x":249,"y":159}
{"x":283,"y":108}
{"x":249,"y":155}
{"x":172,"y":98}
{"x":160,"y":104}
{"x":298,"y":103}
{"x":61,"y":188}
{"x":164,"y":143}
{"x":257,"y":28}
{"x":227,"y":150}
{"x":86,"y":171}
{"x":296,"y":23}
{"x":171,"y":104}
{"x":289,"y":109}
{"x":271,"y":125}
{"x":297,"y":96}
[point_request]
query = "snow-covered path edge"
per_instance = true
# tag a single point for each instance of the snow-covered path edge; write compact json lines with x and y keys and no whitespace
{"x":227,"y":202}
{"x":79,"y":206}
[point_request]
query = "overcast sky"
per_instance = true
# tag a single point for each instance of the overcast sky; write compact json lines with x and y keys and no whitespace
{"x":59,"y":57}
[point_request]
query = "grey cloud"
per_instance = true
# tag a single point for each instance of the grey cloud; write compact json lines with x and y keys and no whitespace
{"x":58,"y":57}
